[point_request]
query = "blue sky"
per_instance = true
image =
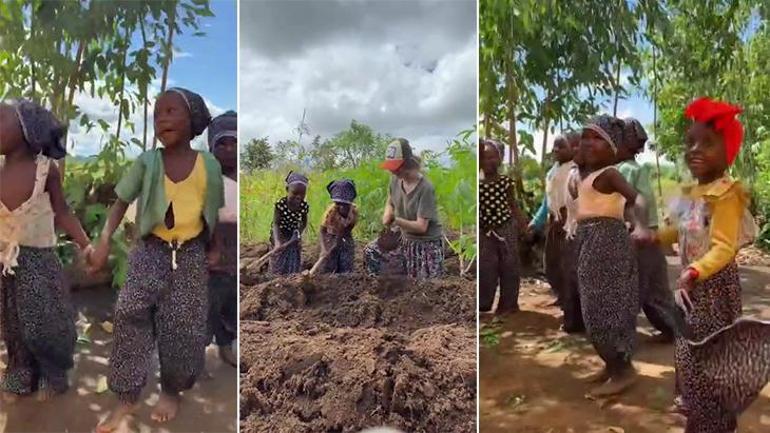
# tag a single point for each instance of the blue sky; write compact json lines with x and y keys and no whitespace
{"x":204,"y":64}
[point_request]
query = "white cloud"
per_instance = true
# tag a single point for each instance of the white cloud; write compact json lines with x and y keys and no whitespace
{"x":404,"y":72}
{"x":181,"y":54}
{"x":85,"y":143}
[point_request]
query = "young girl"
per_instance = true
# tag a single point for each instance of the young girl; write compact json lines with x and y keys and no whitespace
{"x":223,"y":285}
{"x":337,"y":245}
{"x":572,"y":322}
{"x":165,"y":298}
{"x":37,"y":319}
{"x":606,"y":267}
{"x":654,"y":292}
{"x":500,"y":221}
{"x":552,"y":210}
{"x":289,"y":222}
{"x":711,"y":222}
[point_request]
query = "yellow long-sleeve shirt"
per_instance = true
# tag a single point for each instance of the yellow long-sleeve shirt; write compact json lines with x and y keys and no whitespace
{"x":722,"y":206}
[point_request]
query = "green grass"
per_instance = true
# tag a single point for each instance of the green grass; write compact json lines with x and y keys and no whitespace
{"x":455,"y":190}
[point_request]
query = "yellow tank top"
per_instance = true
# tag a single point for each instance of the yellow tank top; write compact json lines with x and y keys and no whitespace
{"x":594,"y":204}
{"x":187,"y":198}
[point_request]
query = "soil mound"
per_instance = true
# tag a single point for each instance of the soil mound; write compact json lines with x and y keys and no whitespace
{"x":344,"y":353}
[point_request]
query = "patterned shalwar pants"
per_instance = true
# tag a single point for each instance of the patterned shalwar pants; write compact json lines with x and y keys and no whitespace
{"x":655,"y":296}
{"x":38,"y":324}
{"x":164,"y":306}
{"x":716,"y":304}
{"x":555,"y":241}
{"x":499,"y":266}
{"x":223,"y":308}
{"x":342,"y":258}
{"x":608,"y":286}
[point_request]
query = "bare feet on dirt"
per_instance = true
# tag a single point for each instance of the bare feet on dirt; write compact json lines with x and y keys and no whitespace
{"x":166,"y":408}
{"x":10,"y":398}
{"x":45,"y":394}
{"x":113,"y":421}
{"x":226,"y":354}
{"x":662,"y":339}
{"x":600,"y":377}
{"x":615,"y":385}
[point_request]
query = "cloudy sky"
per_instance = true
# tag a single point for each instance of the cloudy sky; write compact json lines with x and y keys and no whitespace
{"x":206,"y":65}
{"x":406,"y":68}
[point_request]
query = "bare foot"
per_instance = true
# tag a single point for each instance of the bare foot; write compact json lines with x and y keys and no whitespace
{"x":45,"y":394}
{"x":113,"y":421}
{"x":599,"y":377}
{"x":226,"y":354}
{"x":615,"y":385}
{"x":166,"y":408}
{"x":10,"y":397}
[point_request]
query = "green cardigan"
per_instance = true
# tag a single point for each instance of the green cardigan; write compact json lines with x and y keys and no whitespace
{"x":146,"y":179}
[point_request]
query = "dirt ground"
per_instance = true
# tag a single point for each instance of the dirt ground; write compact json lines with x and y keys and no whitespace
{"x":211,"y":406}
{"x":337,"y":354}
{"x":531,"y":373}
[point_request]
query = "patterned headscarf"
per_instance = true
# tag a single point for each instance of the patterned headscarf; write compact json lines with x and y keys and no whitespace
{"x":633,"y":132}
{"x":342,"y":191}
{"x":496,"y":144}
{"x":199,"y":113}
{"x":224,"y":125}
{"x":294,"y":178}
{"x":609,"y":128}
{"x":721,"y":116}
{"x":42,"y":132}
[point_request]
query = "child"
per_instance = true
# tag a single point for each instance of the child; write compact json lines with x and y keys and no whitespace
{"x":572,"y":322}
{"x":337,"y":246}
{"x":37,"y":319}
{"x":654,"y":292}
{"x":223,"y":285}
{"x":733,"y":367}
{"x":606,"y":267}
{"x":289,"y":222}
{"x":165,"y":297}
{"x":499,"y":256}
{"x":554,"y":207}
{"x":711,"y":222}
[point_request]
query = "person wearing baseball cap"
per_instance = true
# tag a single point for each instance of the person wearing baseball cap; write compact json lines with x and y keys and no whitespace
{"x":411,"y":208}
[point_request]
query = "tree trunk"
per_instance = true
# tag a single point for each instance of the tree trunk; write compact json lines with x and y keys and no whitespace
{"x":513,"y":155}
{"x":655,"y":120}
{"x":169,"y":57}
{"x":546,"y":124}
{"x":617,"y":86}
{"x":71,"y":98}
{"x":146,"y":86}
{"x":123,"y":80}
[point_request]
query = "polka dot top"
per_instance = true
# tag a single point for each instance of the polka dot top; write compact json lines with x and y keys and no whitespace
{"x":289,"y":220}
{"x":493,"y":197}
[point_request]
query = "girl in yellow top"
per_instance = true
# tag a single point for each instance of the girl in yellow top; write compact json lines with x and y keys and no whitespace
{"x":711,"y":222}
{"x":165,"y":298}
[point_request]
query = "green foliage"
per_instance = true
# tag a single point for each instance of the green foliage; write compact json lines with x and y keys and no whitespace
{"x":256,"y":155}
{"x":454,"y":182}
{"x":49,"y":50}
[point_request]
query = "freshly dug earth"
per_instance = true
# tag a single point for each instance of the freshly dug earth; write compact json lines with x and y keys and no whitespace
{"x":343,"y":353}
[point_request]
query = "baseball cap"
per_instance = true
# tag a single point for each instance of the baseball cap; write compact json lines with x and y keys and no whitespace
{"x":397,"y":153}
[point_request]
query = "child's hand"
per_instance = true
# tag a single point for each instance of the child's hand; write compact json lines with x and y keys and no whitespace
{"x":686,"y":279}
{"x":99,"y":254}
{"x":642,"y":236}
{"x":214,"y":256}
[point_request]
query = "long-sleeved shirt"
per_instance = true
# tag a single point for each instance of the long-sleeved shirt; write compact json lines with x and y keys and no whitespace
{"x":712,"y":222}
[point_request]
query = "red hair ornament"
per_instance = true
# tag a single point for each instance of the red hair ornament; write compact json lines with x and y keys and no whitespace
{"x":721,"y":116}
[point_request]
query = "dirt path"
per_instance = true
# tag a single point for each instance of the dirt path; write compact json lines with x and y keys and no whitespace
{"x":209,"y":407}
{"x":530,"y":380}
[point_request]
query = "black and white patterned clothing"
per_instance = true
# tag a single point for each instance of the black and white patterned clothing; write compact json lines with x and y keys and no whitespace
{"x":495,"y":205}
{"x":289,"y":220}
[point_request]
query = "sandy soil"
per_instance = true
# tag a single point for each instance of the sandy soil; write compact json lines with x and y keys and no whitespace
{"x":211,"y":406}
{"x":530,"y":379}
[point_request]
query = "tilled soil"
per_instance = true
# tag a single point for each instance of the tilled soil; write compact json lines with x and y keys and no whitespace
{"x":343,"y":353}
